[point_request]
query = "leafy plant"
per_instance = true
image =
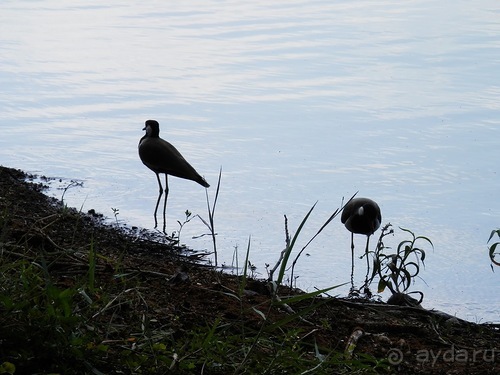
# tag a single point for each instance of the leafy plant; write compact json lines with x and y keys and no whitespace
{"x":492,"y":250}
{"x":396,"y":271}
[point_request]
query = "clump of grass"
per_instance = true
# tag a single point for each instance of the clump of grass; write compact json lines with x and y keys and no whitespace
{"x":283,"y":260}
{"x":36,"y":311}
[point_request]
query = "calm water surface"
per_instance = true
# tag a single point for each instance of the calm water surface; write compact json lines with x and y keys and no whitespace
{"x":298,"y":101}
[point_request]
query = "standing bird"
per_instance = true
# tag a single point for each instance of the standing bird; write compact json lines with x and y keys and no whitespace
{"x":362,"y":216}
{"x":161,"y":157}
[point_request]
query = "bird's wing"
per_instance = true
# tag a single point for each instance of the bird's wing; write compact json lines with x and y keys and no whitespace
{"x":162,"y":157}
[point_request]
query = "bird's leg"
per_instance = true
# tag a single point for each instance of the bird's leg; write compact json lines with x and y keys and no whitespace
{"x":165,"y":205}
{"x":352,"y":264}
{"x":159,"y":197}
{"x":367,"y":263}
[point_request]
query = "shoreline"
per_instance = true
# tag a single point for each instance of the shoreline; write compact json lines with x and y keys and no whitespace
{"x":97,"y":270}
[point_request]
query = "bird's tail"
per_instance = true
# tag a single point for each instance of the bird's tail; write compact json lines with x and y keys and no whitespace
{"x":202,"y":182}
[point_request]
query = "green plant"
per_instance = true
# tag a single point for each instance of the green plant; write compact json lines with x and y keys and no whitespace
{"x":210,"y":224}
{"x":116,"y":212}
{"x":38,"y":319}
{"x":396,"y":271}
{"x":325,"y":224}
{"x":65,"y":189}
{"x":492,"y":250}
{"x":283,"y":260}
{"x":7,"y":368}
{"x":187,"y":219}
{"x":287,"y":251}
{"x":211,"y":215}
{"x":244,"y":275}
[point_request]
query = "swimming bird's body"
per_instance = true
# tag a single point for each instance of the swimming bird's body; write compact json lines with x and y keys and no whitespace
{"x":362,"y":216}
{"x":162,"y":157}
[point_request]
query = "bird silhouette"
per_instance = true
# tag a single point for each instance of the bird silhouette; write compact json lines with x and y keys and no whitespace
{"x":361,"y":216}
{"x":162,"y":157}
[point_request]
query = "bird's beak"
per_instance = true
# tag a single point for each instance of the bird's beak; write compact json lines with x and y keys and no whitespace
{"x":144,"y":128}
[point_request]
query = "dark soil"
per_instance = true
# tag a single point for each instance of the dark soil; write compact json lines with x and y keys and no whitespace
{"x":184,"y":294}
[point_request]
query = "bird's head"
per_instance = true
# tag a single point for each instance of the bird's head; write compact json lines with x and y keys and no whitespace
{"x":152,"y":128}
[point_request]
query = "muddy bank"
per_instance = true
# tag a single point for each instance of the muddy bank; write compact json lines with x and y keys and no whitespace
{"x":121,"y":300}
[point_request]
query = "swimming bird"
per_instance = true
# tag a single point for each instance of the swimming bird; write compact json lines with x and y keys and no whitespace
{"x":162,"y":157}
{"x":362,"y":216}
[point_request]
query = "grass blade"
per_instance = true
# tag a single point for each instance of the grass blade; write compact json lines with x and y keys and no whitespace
{"x":290,"y":247}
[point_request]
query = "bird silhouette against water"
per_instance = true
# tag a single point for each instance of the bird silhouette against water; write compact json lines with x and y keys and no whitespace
{"x":362,"y":216}
{"x":162,"y":157}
